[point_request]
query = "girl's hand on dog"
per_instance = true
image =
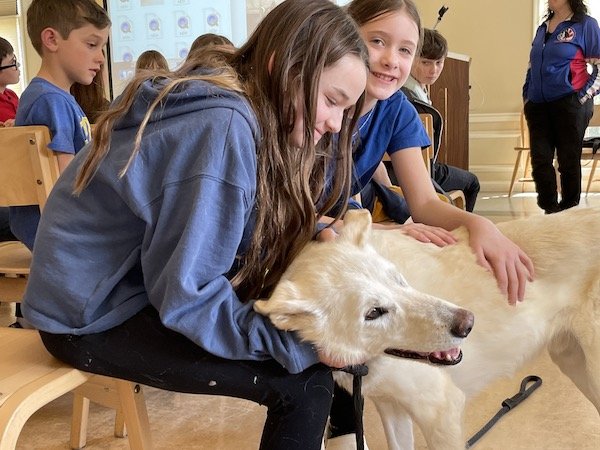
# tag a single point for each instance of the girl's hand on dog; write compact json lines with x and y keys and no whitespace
{"x":422,"y":233}
{"x":428,"y":234}
{"x":510,"y":265}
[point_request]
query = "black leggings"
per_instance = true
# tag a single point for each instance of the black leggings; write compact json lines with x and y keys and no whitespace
{"x":145,"y":351}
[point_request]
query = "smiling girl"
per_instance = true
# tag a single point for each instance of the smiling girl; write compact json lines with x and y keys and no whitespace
{"x":389,"y":123}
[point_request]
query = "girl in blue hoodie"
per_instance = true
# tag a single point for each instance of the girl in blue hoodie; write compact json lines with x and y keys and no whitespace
{"x":197,"y":191}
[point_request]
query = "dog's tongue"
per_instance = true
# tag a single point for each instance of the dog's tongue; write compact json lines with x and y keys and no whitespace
{"x":446,"y":355}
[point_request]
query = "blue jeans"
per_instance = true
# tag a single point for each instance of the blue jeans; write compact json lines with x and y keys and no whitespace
{"x":5,"y":233}
{"x":451,"y":178}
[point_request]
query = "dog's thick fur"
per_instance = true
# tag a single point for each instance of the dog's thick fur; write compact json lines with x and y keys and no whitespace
{"x":331,"y":289}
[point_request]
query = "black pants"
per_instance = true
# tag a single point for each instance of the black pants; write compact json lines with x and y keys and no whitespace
{"x":557,"y":126}
{"x":144,"y":351}
{"x":343,"y":418}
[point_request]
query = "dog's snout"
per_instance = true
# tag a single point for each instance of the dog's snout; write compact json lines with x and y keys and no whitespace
{"x":462,"y":323}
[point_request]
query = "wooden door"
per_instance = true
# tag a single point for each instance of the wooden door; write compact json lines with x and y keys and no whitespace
{"x":450,"y":96}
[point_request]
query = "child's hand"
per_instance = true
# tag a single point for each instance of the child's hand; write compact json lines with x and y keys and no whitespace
{"x":427,"y":233}
{"x":327,"y":234}
{"x":9,"y":123}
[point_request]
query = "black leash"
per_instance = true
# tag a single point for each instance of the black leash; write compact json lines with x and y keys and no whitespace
{"x":508,"y":404}
{"x":357,"y":373}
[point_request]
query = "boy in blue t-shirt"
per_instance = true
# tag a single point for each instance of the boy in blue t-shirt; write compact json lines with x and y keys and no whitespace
{"x":69,"y":35}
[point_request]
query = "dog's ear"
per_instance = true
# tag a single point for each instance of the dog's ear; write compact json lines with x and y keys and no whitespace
{"x":357,"y":227}
{"x":286,"y":309}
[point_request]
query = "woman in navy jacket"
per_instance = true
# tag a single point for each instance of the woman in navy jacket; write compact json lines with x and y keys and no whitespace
{"x":558,"y":94}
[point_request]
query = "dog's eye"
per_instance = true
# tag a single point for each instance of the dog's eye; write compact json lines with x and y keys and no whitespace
{"x":376,"y":313}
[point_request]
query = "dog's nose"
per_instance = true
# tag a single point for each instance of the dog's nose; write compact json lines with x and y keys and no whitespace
{"x":462,"y":323}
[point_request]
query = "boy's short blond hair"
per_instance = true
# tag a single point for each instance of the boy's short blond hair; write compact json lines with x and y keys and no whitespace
{"x":64,"y":16}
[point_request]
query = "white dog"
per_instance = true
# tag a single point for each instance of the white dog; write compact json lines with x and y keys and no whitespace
{"x":354,"y":305}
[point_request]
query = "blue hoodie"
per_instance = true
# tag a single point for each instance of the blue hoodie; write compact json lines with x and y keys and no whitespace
{"x":165,"y":234}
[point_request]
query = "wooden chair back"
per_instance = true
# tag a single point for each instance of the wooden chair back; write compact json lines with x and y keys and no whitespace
{"x":28,"y":171}
{"x":28,"y":168}
{"x":427,"y":120}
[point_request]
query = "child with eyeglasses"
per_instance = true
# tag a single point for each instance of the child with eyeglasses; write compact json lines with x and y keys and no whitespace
{"x":9,"y":74}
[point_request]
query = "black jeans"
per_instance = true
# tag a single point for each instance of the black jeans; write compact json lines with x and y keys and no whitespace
{"x":144,"y":351}
{"x":557,"y":126}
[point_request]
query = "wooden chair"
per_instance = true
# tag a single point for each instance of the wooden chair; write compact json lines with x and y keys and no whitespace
{"x":15,"y":258}
{"x":427,"y":152}
{"x":587,"y":154}
{"x":29,"y":376}
{"x":521,"y":148}
{"x":456,"y":197}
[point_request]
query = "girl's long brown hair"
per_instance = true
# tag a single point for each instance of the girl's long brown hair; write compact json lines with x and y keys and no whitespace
{"x":279,"y":66}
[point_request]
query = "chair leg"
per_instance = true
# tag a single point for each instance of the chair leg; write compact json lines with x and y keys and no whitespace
{"x":557,"y":173}
{"x":103,"y":391}
{"x":133,"y":406}
{"x":22,"y":404}
{"x":79,"y":421}
{"x":591,"y":178}
{"x":120,"y":428}
{"x":515,"y":171}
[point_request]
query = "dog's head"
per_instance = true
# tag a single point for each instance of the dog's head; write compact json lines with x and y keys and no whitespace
{"x":353,"y":304}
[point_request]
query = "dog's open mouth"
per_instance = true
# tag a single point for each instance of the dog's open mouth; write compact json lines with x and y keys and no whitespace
{"x":446,"y":357}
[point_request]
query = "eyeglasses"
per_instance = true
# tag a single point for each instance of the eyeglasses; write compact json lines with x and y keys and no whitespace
{"x":14,"y":63}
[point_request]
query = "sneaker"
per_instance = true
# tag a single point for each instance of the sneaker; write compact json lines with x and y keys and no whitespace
{"x":553,"y":210}
{"x":343,"y":442}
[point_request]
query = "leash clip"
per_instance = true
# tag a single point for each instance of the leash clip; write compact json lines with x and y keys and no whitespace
{"x":524,"y":392}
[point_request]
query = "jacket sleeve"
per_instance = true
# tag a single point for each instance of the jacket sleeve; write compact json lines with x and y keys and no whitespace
{"x":200,"y":223}
{"x":526,"y":84}
{"x":592,"y":57}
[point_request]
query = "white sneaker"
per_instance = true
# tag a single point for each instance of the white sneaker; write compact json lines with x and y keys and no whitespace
{"x":343,"y":442}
